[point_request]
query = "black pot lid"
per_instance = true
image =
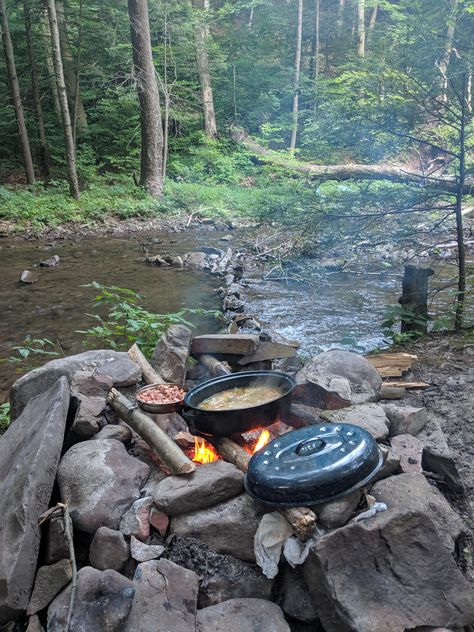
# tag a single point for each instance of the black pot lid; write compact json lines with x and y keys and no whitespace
{"x":312,"y":465}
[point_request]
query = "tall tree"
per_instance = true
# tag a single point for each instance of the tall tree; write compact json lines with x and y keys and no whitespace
{"x":151,"y":172}
{"x":340,"y":16}
{"x":202,"y":60}
{"x":62,"y":95}
{"x":71,"y":71}
{"x":316,"y":44}
{"x":443,"y":64}
{"x":296,"y":88}
{"x":15,"y":94}
{"x":361,"y":28}
{"x":44,"y":151}
{"x":372,"y":21}
{"x":46,"y":36}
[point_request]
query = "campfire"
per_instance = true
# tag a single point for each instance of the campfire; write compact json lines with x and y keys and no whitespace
{"x":251,"y":441}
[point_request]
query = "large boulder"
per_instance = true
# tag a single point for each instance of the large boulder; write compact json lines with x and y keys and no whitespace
{"x":335,"y":379}
{"x":171,"y":353}
{"x":244,"y":615}
{"x":209,"y":485}
{"x":39,"y":380}
{"x":228,"y":527}
{"x":165,"y":598}
{"x":389,"y":573}
{"x":102,"y":603}
{"x":100,"y":480}
{"x":29,"y":455}
{"x":413,"y":493}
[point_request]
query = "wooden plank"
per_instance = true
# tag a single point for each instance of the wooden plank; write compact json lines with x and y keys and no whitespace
{"x":407,"y":384}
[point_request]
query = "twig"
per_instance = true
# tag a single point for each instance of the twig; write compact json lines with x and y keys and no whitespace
{"x":68,"y":532}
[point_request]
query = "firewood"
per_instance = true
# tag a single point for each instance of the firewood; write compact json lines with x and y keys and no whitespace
{"x":164,"y":447}
{"x":214,"y":366}
{"x":407,"y":384}
{"x":150,"y":376}
{"x":302,"y":519}
{"x":392,"y":364}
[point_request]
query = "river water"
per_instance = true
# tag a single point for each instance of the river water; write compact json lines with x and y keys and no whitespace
{"x":326,"y":310}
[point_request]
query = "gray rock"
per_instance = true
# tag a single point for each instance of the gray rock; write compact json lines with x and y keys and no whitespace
{"x":34,"y":624}
{"x":108,"y":549}
{"x":295,"y":598}
{"x":112,"y":431}
{"x":370,"y":417}
{"x":136,"y":521}
{"x":177,"y":262}
{"x":335,"y":379}
{"x":28,"y":277}
{"x":388,"y":573}
{"x":165,"y":598}
{"x":413,"y":493}
{"x":89,"y":416}
{"x":437,"y":456}
{"x":171,"y":354}
{"x":30,"y":451}
{"x":209,"y":485}
{"x":336,"y":513}
{"x":171,"y":423}
{"x":102,"y":603}
{"x":196,"y":260}
{"x":100,"y":481}
{"x":48,"y":582}
{"x":51,"y":262}
{"x":405,"y":419}
{"x":228,"y":527}
{"x":159,"y":521}
{"x":122,"y":370}
{"x":90,"y":384}
{"x":39,"y":380}
{"x":145,"y":552}
{"x":244,"y":615}
{"x":410,"y":449}
{"x":56,"y":547}
{"x":390,"y":465}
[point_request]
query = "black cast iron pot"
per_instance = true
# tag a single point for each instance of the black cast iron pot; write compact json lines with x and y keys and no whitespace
{"x":222,"y":423}
{"x":313,"y":465}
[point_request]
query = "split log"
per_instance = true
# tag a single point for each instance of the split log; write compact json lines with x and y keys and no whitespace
{"x":407,"y":384}
{"x":150,"y":376}
{"x":214,"y":366}
{"x":392,"y":364}
{"x":302,"y":519}
{"x":164,"y":447}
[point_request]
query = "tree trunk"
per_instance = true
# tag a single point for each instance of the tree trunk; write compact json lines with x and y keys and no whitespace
{"x":202,"y":60}
{"x":349,"y":171}
{"x":316,"y":45}
{"x":49,"y":62}
{"x":45,"y":157}
{"x":62,"y":95}
{"x":361,"y":28}
{"x":151,"y":172}
{"x":461,"y":295}
{"x":448,"y":47}
{"x":70,"y":72}
{"x":299,"y":31}
{"x":15,"y":94}
{"x":340,"y":16}
{"x":415,"y":299}
{"x":372,"y":22}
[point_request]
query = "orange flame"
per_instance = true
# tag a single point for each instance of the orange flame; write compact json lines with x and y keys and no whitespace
{"x":262,"y":440}
{"x":204,"y":452}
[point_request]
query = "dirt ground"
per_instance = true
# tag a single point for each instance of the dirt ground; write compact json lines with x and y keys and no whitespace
{"x":446,"y":362}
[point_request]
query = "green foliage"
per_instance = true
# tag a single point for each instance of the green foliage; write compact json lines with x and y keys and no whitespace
{"x":29,"y":354}
{"x":396,"y":314}
{"x":127,"y":322}
{"x":4,"y":416}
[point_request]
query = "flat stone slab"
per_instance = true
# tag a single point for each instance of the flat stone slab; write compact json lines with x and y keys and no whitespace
{"x":389,"y":573}
{"x":101,"y":481}
{"x":209,"y":485}
{"x":370,"y":417}
{"x":244,"y":615}
{"x":235,"y":344}
{"x":30,"y":451}
{"x":228,"y":527}
{"x":48,"y":582}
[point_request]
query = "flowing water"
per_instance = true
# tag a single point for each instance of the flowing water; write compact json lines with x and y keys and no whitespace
{"x":326,"y":310}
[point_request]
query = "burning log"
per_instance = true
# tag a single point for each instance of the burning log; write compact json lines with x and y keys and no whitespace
{"x":302,"y":519}
{"x":164,"y":447}
{"x":150,"y":376}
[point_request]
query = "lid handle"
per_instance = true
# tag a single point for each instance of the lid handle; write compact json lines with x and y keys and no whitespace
{"x":312,"y":446}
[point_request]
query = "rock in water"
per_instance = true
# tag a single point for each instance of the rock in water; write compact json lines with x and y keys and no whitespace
{"x":100,"y":480}
{"x":51,"y":262}
{"x":165,"y":598}
{"x":28,"y":277}
{"x":29,"y":455}
{"x":102,"y":603}
{"x":209,"y":485}
{"x":335,"y":379}
{"x":244,"y":615}
{"x":171,"y":354}
{"x":388,"y":573}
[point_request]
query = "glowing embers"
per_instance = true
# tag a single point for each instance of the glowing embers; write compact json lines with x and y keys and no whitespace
{"x":204,"y":452}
